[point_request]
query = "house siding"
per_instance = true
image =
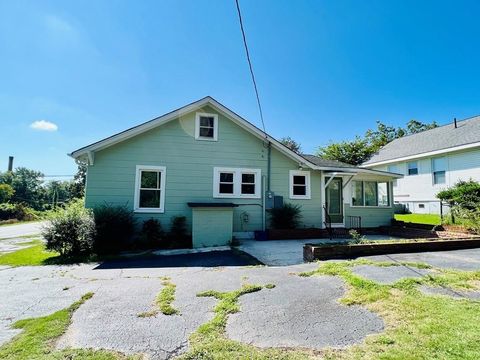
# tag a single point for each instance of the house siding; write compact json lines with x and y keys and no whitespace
{"x":189,"y":171}
{"x":419,"y":189}
{"x":371,"y":216}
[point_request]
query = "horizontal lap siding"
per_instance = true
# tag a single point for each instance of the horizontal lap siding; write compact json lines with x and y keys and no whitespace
{"x":189,"y":174}
{"x":371,"y":217}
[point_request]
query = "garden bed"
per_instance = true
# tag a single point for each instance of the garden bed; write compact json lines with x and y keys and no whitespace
{"x":341,"y":251}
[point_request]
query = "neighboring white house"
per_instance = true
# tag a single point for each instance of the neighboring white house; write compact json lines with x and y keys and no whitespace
{"x":431,"y":161}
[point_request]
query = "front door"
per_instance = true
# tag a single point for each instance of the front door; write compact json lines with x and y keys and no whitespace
{"x":334,"y":200}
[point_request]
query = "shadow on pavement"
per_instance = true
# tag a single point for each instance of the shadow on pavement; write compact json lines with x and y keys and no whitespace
{"x":209,"y":259}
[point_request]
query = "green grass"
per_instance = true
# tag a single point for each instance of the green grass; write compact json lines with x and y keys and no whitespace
{"x":209,"y":341}
{"x":430,"y":219}
{"x":37,"y":340}
{"x":163,"y":301}
{"x":31,"y":256}
{"x":418,"y":326}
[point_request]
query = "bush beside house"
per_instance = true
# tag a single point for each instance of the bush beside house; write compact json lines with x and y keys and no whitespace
{"x":464,"y":201}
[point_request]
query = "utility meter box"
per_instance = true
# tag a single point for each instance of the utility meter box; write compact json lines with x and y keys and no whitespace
{"x":269,"y":200}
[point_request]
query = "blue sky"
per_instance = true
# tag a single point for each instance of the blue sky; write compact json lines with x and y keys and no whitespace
{"x":326,"y":70}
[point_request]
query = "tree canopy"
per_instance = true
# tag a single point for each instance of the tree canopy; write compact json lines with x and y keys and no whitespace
{"x":362,"y":148}
{"x":291,"y":144}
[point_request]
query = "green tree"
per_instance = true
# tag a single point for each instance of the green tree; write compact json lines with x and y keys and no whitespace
{"x":362,"y":148}
{"x":291,"y":144}
{"x":27,"y":185}
{"x":6,"y":193}
{"x":77,"y":186}
{"x":352,"y":152}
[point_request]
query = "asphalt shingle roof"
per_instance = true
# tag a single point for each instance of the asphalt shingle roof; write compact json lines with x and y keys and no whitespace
{"x":440,"y":138}
{"x":324,"y":162}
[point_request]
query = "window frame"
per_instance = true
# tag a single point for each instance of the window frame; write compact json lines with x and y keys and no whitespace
{"x":306,"y":174}
{"x":198,"y":115}
{"x":444,"y":171}
{"x":138,"y":173}
{"x":237,"y":183}
{"x":389,"y":194}
{"x":408,"y":167}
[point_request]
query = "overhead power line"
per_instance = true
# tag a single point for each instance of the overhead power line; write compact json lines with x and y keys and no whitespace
{"x":250,"y":64}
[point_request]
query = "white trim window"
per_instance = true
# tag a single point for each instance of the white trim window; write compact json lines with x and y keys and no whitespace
{"x":299,"y":184}
{"x":412,"y":168}
{"x":237,"y":183}
{"x":206,"y":126}
{"x":370,"y":194}
{"x":439,"y":166}
{"x":150,"y":189}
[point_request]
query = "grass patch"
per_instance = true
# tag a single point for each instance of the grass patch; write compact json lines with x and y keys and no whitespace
{"x":209,"y":341}
{"x":431,"y":219}
{"x":164,"y":300}
{"x":31,"y":256}
{"x":37,"y":341}
{"x":418,"y":326}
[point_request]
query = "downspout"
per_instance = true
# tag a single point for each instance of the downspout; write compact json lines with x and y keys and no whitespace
{"x":269,"y":164}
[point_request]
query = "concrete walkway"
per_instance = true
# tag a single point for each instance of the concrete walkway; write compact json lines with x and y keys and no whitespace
{"x":288,"y":252}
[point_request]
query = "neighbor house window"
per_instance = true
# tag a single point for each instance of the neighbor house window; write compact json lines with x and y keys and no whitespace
{"x":236,"y":183}
{"x":370,"y":193}
{"x":299,"y":184}
{"x":439,"y":165}
{"x":206,"y":126}
{"x":412,"y":168}
{"x":150,"y":188}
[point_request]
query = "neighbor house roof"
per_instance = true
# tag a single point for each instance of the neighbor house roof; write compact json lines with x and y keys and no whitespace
{"x":309,"y":161}
{"x":319,"y":161}
{"x":432,"y":142}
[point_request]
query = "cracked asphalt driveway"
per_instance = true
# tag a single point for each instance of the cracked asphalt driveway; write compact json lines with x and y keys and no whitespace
{"x":299,"y":312}
{"x":123,"y":290}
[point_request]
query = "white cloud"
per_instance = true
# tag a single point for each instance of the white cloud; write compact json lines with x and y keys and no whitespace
{"x":44,"y":125}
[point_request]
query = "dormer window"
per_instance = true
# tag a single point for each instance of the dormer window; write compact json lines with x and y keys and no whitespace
{"x":206,"y":126}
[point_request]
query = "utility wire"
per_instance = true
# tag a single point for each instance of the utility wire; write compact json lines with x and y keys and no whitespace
{"x":250,"y":64}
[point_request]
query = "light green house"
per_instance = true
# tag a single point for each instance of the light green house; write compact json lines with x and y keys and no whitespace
{"x":230,"y":172}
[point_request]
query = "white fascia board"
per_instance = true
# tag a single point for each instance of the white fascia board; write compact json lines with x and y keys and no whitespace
{"x":423,"y":155}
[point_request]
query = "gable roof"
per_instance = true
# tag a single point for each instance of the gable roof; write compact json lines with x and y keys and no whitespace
{"x":439,"y":140}
{"x":309,"y":161}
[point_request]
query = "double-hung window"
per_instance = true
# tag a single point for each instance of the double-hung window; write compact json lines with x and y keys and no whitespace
{"x":439,"y":166}
{"x":299,"y":184}
{"x":370,"y":193}
{"x":150,"y":188}
{"x":236,"y":183}
{"x":412,"y":168}
{"x":206,"y":126}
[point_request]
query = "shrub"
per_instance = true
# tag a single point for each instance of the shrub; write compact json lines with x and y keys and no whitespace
{"x":6,"y":193}
{"x":114,"y":227}
{"x":18,"y":211}
{"x":286,"y":217}
{"x":464,"y":194}
{"x":151,"y":235}
{"x":178,"y":236}
{"x":71,"y":231}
